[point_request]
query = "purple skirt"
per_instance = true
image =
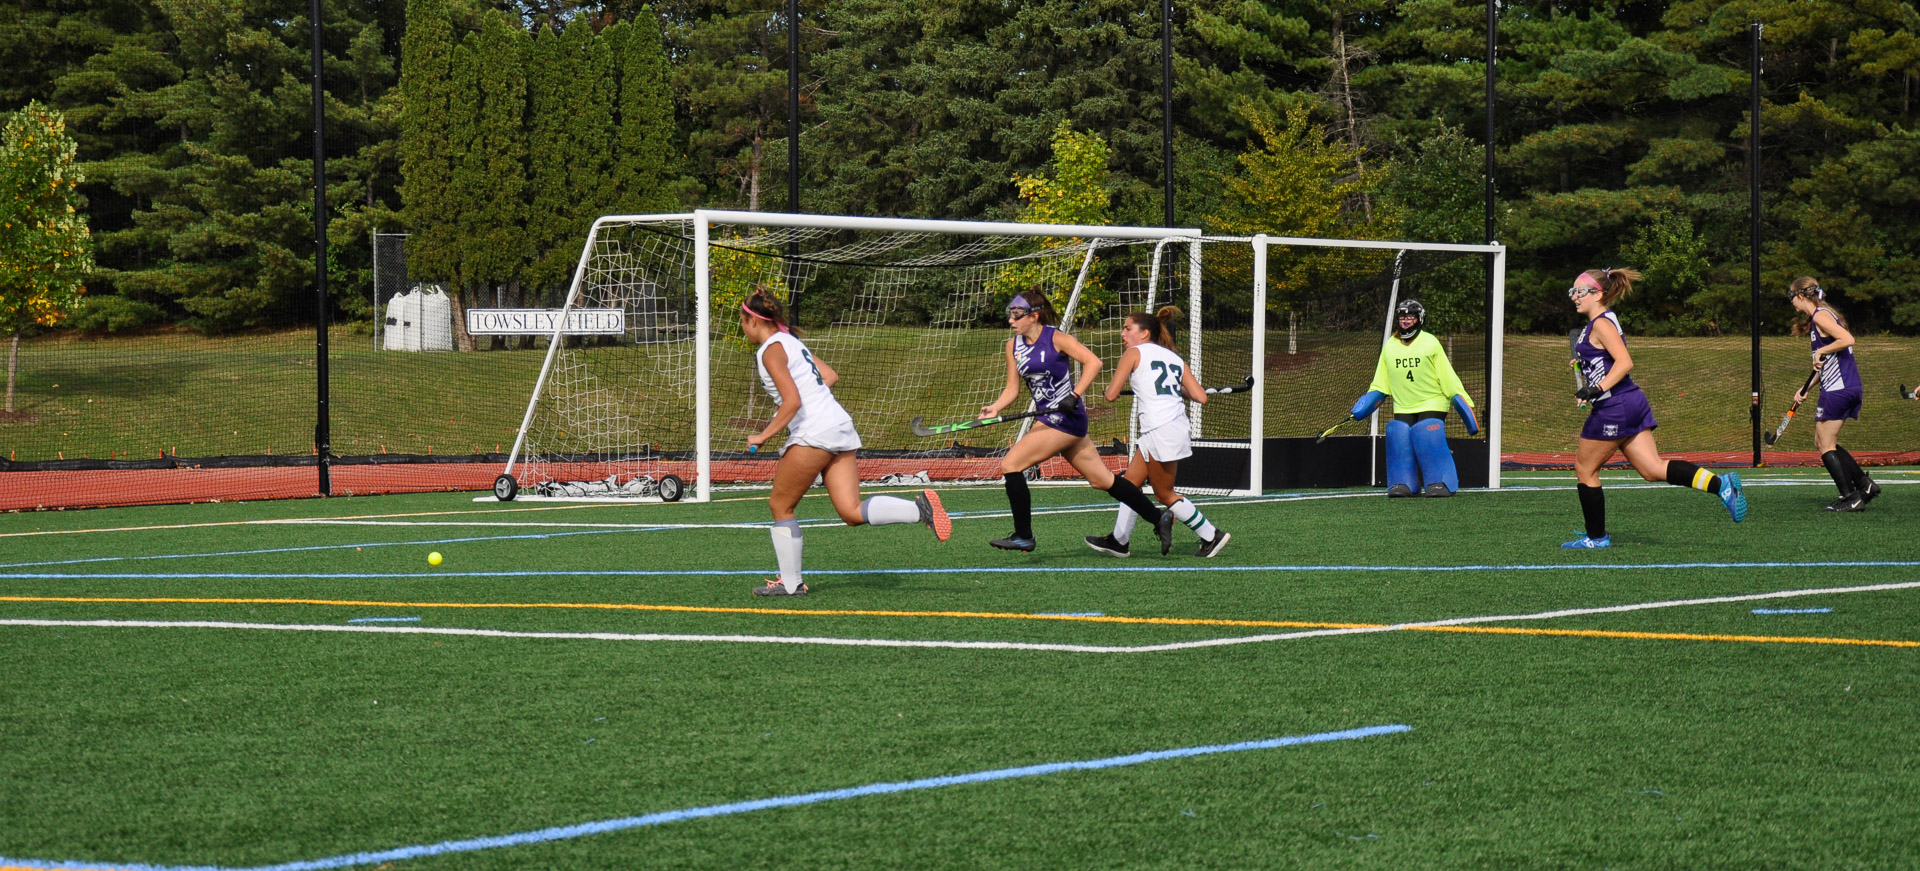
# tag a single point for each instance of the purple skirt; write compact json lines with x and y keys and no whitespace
{"x":1838,"y":405}
{"x":1073,"y":423}
{"x":1619,"y":417}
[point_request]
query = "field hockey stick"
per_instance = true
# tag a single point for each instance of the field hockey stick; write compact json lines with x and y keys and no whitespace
{"x":1780,"y":430}
{"x":1909,"y":394}
{"x":1329,"y":430}
{"x":1242,"y":387}
{"x":921,"y":429}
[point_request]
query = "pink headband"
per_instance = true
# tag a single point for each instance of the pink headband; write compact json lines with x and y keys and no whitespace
{"x":1585,"y":280}
{"x":783,"y":327}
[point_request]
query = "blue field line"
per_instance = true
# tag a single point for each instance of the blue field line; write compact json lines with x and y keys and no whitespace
{"x":975,"y":570}
{"x":578,"y":830}
{"x":1793,"y":610}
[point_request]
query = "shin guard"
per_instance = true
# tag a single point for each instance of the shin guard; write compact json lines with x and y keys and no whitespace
{"x":1430,"y":451}
{"x":1401,"y":468}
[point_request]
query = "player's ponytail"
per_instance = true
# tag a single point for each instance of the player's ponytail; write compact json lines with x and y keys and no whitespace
{"x":762,"y":304}
{"x":1614,"y":283}
{"x":1164,"y":321}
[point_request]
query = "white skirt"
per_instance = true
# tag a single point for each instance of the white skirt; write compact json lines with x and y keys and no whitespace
{"x":836,"y":439}
{"x":1168,"y":444}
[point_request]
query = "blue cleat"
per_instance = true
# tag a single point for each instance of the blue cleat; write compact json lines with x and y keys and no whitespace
{"x":1734,"y":496}
{"x":1584,"y":542}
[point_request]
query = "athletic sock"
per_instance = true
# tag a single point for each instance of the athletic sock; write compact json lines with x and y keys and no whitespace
{"x":1854,"y":473}
{"x":1123,"y":524}
{"x":1684,"y":474}
{"x":888,"y":510}
{"x":1837,"y":468}
{"x":1021,"y":502}
{"x":1130,"y":496}
{"x":1188,"y":513}
{"x":786,"y":551}
{"x":1593,"y":506}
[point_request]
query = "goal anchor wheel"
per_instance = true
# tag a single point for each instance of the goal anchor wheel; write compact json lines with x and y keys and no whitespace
{"x":672,"y":488}
{"x":505,"y":488}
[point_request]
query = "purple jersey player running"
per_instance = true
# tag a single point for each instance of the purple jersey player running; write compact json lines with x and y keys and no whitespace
{"x":1621,"y":420}
{"x":1840,"y":391}
{"x":1043,"y":357}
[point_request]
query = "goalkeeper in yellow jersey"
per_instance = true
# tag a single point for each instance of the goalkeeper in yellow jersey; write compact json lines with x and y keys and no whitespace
{"x":1414,"y":370}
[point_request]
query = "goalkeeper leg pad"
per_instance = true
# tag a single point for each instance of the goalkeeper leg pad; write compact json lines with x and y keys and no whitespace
{"x":1402,"y":471}
{"x":1431,"y":452}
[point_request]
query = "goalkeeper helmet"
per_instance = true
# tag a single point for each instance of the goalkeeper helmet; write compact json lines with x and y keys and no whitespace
{"x":1410,"y":308}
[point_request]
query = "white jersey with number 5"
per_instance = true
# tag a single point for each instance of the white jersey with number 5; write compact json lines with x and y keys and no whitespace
{"x":1157,"y":396}
{"x":819,"y":412}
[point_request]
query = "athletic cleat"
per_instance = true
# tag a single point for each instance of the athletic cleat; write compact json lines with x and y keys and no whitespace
{"x":1436,"y":490}
{"x":1583,"y":542}
{"x":773,"y":587}
{"x":1734,"y":496}
{"x":1398,"y":490}
{"x":933,"y":515}
{"x":1210,"y":549}
{"x":1869,"y":490}
{"x":1848,"y":503}
{"x":1108,"y":545}
{"x":1013,"y":542}
{"x":1163,"y":528}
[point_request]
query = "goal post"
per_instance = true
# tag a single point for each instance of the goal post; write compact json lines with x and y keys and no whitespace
{"x":910,"y":312}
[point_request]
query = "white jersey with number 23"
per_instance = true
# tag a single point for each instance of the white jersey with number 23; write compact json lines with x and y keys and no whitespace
{"x":819,"y":413}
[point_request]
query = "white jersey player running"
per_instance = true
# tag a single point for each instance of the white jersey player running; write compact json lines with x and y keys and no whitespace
{"x":1161,"y":384}
{"x":821,"y":441}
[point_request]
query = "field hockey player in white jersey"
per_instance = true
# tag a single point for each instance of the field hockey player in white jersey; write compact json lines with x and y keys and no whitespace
{"x":1161,"y":384}
{"x":821,"y":441}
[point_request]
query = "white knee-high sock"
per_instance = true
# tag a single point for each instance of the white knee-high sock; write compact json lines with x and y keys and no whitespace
{"x":885,"y":510}
{"x":1123,"y":524}
{"x":786,"y":551}
{"x":1188,"y":513}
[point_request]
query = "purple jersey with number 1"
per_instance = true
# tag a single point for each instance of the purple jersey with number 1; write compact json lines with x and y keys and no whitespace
{"x":1049,"y":377}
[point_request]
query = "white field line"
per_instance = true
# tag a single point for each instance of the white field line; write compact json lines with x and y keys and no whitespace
{"x":961,"y":645}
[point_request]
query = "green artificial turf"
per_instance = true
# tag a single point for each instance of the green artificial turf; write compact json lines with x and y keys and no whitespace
{"x":174,"y":746}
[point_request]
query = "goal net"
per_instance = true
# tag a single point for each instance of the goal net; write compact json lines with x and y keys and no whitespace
{"x":909,"y":312}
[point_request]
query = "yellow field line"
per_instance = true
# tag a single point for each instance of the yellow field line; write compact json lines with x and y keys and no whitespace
{"x":1672,"y":636}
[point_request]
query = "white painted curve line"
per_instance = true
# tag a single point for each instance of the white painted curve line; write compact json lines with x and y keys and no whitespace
{"x":958,"y":645}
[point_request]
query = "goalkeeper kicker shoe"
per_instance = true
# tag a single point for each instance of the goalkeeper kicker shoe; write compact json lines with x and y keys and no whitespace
{"x":1734,"y":496}
{"x":1014,"y":542}
{"x":773,"y":587}
{"x":1398,"y":490}
{"x":1163,"y":528}
{"x":1210,"y":549}
{"x":1108,"y":545}
{"x":1436,"y":489}
{"x":1583,"y":542}
{"x":933,"y":515}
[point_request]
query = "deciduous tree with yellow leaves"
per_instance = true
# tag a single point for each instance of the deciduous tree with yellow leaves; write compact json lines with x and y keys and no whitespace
{"x":46,"y":250}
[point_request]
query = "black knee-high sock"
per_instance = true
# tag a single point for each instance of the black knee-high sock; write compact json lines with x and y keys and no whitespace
{"x":1021,"y":501}
{"x":1593,"y":506}
{"x":1130,"y":496}
{"x":1837,"y":468}
{"x":1684,"y":474}
{"x":1854,"y":473}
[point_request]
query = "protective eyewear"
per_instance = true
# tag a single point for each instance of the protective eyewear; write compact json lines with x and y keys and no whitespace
{"x":1015,"y":313}
{"x":1576,"y":292}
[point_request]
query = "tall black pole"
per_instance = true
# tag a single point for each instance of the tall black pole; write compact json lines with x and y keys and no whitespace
{"x":1753,"y":220}
{"x":793,"y":152}
{"x":322,"y":427}
{"x":1166,"y":103}
{"x":1493,"y":33}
